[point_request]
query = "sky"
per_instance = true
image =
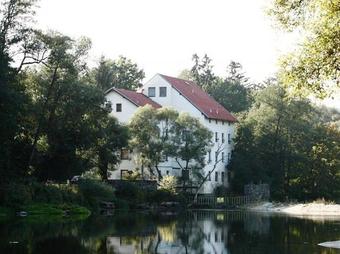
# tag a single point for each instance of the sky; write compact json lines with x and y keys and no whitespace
{"x":162,"y":35}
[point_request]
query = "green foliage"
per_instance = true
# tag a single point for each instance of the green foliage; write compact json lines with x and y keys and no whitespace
{"x":121,"y":73}
{"x":111,"y":137}
{"x":284,"y":142}
{"x":156,"y":133}
{"x":149,"y":132}
{"x":189,"y":141}
{"x":17,"y":194}
{"x":234,"y":92}
{"x":93,"y":192}
{"x":168,"y":183}
{"x":314,"y":66}
{"x":202,"y":72}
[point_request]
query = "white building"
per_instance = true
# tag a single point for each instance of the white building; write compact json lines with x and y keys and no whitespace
{"x":183,"y":96}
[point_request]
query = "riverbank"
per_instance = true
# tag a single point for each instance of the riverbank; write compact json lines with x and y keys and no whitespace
{"x":44,"y":211}
{"x":308,"y":209}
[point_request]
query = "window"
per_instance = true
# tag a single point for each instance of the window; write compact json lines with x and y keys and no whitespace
{"x":151,"y":91}
{"x":216,"y":121}
{"x":209,"y":176}
{"x":228,"y":157}
{"x":118,"y":107}
{"x":216,"y":176}
{"x":167,"y":172}
{"x":216,"y":137}
{"x":216,"y":156}
{"x":222,"y":177}
{"x":222,"y":156}
{"x":124,"y":154}
{"x":209,"y":156}
{"x":164,"y":157}
{"x":209,"y":121}
{"x":162,"y":91}
{"x":216,"y":236}
{"x":222,"y":137}
{"x":229,"y":138}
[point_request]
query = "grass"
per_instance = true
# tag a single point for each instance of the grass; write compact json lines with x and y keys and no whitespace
{"x":55,"y":209}
{"x":5,"y":211}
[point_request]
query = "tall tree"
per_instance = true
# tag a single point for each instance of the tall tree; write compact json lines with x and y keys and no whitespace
{"x":202,"y":71}
{"x":150,"y":130}
{"x":121,"y":73}
{"x":276,"y":144}
{"x":14,"y":102}
{"x":111,"y":138}
{"x":314,"y":67}
{"x":190,"y":141}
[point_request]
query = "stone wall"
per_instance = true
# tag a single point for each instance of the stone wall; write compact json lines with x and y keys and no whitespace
{"x":144,"y":184}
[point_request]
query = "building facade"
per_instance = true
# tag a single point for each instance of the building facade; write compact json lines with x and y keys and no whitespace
{"x":183,"y":96}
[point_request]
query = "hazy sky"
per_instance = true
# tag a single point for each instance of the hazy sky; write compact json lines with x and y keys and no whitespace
{"x":162,"y":35}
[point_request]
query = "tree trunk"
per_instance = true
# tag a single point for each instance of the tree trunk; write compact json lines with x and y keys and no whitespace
{"x":38,"y":129}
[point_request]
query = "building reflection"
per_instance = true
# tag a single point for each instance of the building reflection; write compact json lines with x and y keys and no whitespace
{"x":193,"y":232}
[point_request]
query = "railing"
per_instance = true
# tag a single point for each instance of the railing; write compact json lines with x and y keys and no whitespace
{"x":224,"y":201}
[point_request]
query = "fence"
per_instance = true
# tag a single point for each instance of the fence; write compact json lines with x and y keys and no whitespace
{"x":225,"y":201}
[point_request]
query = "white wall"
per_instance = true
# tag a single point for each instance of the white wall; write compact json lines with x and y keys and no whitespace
{"x":175,"y":100}
{"x":128,"y":108}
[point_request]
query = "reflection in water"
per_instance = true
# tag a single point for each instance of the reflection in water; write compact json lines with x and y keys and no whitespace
{"x":190,"y":232}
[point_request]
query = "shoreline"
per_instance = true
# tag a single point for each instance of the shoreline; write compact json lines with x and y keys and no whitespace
{"x":298,"y":209}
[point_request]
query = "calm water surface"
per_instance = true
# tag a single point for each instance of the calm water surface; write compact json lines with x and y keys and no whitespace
{"x":190,"y":232}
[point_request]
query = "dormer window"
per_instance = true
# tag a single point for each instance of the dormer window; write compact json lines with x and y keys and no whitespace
{"x":162,"y":91}
{"x":151,"y":91}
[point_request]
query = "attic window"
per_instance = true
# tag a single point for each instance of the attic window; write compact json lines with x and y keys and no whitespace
{"x":118,"y":107}
{"x":162,"y":91}
{"x":151,"y":91}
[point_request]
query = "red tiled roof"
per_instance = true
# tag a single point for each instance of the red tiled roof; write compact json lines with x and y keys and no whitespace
{"x":200,"y":99}
{"x":138,"y":99}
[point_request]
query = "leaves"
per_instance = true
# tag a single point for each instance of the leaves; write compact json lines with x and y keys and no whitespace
{"x":314,"y":67}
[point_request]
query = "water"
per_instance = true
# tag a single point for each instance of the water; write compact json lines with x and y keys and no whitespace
{"x":190,"y":232}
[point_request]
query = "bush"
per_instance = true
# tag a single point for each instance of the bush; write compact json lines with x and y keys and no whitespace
{"x":17,"y":194}
{"x":129,"y":191}
{"x":168,"y":183}
{"x":93,"y":192}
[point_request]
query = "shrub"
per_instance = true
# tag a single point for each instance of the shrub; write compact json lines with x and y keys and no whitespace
{"x":168,"y":183}
{"x":93,"y":192}
{"x":17,"y":194}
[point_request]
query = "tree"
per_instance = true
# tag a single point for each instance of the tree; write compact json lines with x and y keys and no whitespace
{"x":112,"y":138}
{"x":121,"y":73}
{"x":277,"y":142}
{"x":234,"y":92}
{"x":314,"y":67}
{"x":14,"y":101}
{"x":204,"y":178}
{"x":163,"y":132}
{"x":202,"y":72}
{"x":62,"y":67}
{"x":189,"y":143}
{"x":148,"y":138}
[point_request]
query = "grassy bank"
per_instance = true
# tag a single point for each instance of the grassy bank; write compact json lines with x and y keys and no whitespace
{"x":53,"y":200}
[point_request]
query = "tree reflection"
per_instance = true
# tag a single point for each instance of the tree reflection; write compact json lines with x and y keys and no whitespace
{"x":189,"y":232}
